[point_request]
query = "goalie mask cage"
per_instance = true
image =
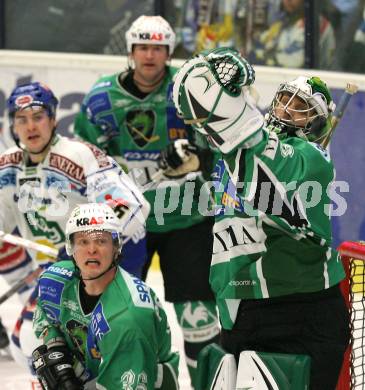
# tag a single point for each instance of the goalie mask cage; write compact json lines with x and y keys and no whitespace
{"x":353,"y":288}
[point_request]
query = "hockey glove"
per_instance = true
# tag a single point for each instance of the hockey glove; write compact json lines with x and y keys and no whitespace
{"x":54,"y":370}
{"x":179,"y":158}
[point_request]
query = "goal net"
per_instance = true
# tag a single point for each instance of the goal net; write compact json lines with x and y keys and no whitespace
{"x":353,"y":288}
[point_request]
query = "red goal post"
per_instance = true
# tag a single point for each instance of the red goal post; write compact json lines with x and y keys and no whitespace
{"x":353,"y":288}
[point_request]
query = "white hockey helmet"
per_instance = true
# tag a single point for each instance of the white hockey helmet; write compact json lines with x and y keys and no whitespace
{"x":92,"y":217}
{"x":152,"y":30}
{"x":211,"y":93}
{"x":317,"y":106}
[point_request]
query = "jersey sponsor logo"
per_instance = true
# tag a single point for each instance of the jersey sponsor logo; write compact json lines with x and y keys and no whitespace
{"x":52,"y":313}
{"x":229,"y":201}
{"x":152,"y":36}
{"x":7,"y":179}
{"x":143,"y":291}
{"x":50,"y":290}
{"x":71,"y":305}
{"x":63,"y":272}
{"x":236,"y":237}
{"x":99,"y":324}
{"x":132,"y":155}
{"x":89,"y":221}
{"x":70,"y":168}
{"x":141,"y":125}
{"x":102,"y":84}
{"x":229,"y":197}
{"x":217,"y":174}
{"x":34,"y":179}
{"x":11,"y":158}
{"x":175,"y":125}
{"x":140,"y":293}
{"x":177,"y":133}
{"x":100,"y":156}
{"x":98,"y":103}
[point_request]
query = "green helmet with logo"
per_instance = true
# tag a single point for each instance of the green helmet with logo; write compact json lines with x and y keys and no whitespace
{"x":314,"y":107}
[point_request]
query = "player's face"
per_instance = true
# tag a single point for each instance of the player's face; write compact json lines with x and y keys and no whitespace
{"x":34,"y":128}
{"x":293,"y":110}
{"x":149,"y":62}
{"x":94,"y":251}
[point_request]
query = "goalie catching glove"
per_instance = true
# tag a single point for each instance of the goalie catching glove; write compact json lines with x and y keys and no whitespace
{"x":54,"y":369}
{"x":179,"y":158}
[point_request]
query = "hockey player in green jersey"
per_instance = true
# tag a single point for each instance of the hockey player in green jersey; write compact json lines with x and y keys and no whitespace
{"x":131,"y":115}
{"x":274,"y":273}
{"x":97,"y":322}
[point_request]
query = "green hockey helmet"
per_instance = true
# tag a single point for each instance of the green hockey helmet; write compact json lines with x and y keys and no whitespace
{"x":302,"y":108}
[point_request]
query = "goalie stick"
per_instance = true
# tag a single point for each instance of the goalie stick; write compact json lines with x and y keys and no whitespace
{"x":27,"y":280}
{"x":350,"y":90}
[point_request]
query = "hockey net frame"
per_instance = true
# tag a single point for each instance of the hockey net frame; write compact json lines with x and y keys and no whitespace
{"x":352,"y":375}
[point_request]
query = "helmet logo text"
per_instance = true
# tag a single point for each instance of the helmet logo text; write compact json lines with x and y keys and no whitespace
{"x":23,"y":100}
{"x":151,"y":37}
{"x":89,"y":221}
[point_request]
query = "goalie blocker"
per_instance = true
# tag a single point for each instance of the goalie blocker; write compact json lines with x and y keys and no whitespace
{"x":217,"y":370}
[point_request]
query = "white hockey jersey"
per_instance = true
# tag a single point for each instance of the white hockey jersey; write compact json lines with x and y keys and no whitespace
{"x":38,"y":198}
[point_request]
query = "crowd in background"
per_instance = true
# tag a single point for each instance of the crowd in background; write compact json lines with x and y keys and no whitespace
{"x":268,"y":32}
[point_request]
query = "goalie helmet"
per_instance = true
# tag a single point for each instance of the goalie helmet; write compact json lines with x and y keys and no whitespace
{"x":92,"y":217}
{"x":32,"y":95}
{"x":301,"y":108}
{"x":211,"y":93}
{"x":150,"y":30}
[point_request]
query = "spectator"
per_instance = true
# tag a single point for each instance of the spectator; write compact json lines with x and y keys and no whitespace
{"x":283,"y":43}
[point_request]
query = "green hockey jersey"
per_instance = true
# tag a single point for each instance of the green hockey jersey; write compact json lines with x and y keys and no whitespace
{"x":121,"y":342}
{"x":134,"y":131}
{"x":272,"y":233}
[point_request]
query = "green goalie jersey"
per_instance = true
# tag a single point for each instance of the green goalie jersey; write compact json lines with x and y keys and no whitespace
{"x":121,"y":342}
{"x":134,"y":131}
{"x":272,"y":232}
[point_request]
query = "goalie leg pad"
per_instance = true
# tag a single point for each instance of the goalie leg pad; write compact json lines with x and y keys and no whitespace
{"x":217,"y":369}
{"x":276,"y":371}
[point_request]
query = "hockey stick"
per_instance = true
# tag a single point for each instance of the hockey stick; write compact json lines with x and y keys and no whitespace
{"x":350,"y":90}
{"x":20,"y":284}
{"x":23,"y":242}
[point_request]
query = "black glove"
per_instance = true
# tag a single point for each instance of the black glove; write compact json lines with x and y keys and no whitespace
{"x":176,"y":154}
{"x":53,"y":368}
